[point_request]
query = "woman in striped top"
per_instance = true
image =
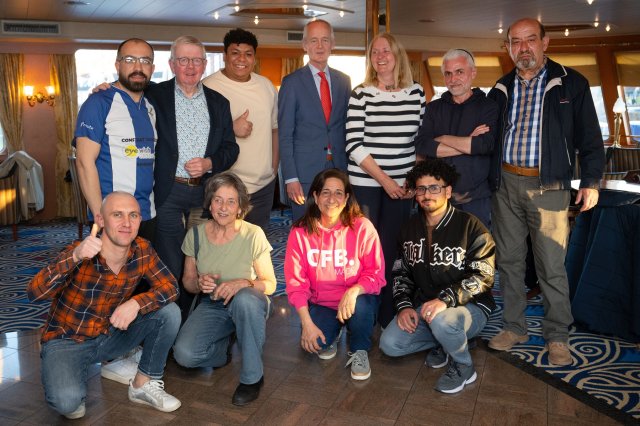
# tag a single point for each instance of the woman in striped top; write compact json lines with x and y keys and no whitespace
{"x":384,"y":115}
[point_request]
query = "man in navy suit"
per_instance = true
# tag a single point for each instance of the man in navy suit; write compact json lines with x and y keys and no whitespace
{"x":195,"y":141}
{"x":309,"y":142}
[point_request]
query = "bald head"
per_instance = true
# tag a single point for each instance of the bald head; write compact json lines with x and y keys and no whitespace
{"x":120,"y":217}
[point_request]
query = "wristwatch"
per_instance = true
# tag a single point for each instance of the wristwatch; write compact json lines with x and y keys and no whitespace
{"x":446,"y":298}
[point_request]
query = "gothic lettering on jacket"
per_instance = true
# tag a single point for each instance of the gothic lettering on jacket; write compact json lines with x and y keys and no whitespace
{"x":414,"y":253}
{"x":448,"y":256}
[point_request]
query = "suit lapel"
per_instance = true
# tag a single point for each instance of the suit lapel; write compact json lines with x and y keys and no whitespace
{"x":308,"y":81}
{"x":337,"y":88}
{"x":170,"y":108}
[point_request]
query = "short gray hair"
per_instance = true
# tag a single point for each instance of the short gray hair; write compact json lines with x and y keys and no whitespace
{"x":187,"y":39}
{"x":227,"y":179}
{"x":458,"y":53}
{"x":305,"y":31}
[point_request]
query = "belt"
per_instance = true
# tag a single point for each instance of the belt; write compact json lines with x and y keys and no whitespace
{"x":520,"y":171}
{"x":188,"y":181}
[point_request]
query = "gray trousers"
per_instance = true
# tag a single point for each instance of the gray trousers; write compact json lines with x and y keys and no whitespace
{"x":521,"y":207}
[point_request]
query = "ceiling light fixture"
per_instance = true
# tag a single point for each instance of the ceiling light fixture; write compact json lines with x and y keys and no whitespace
{"x":341,"y":14}
{"x":596,"y":24}
{"x":590,"y":2}
{"x":566,"y":32}
{"x":216,"y":15}
{"x":237,"y":8}
{"x":608,"y":28}
{"x":256,"y":20}
{"x":500,"y":30}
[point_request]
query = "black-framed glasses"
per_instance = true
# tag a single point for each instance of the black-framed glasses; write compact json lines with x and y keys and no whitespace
{"x":183,"y":62}
{"x":130,"y":60}
{"x":432,"y":189}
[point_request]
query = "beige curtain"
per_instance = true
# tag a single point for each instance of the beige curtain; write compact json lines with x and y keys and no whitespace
{"x":289,"y":65}
{"x":63,"y":77}
{"x":416,"y":70}
{"x":11,"y":82}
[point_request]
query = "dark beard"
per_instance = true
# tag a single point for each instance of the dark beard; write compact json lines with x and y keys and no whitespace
{"x":131,"y":85}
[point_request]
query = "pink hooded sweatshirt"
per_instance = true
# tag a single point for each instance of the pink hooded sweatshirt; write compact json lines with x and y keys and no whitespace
{"x":320,"y":268}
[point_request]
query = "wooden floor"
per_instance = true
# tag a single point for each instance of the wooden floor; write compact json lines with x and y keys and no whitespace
{"x":300,"y":389}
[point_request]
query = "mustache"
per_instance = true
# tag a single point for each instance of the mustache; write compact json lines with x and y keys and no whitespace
{"x":137,"y":73}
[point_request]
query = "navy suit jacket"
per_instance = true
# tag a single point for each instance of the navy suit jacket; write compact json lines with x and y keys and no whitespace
{"x":303,"y":132}
{"x":222,"y":148}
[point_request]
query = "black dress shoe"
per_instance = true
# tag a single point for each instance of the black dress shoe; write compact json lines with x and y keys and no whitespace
{"x":244,"y":394}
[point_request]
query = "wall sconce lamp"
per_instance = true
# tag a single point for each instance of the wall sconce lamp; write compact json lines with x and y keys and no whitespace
{"x":39,"y":97}
{"x":618,"y":109}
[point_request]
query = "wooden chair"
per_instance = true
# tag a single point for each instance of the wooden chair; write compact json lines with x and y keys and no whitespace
{"x":9,"y":210}
{"x":79,"y":202}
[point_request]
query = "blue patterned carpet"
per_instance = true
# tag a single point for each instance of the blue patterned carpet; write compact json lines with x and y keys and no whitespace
{"x":605,"y":373}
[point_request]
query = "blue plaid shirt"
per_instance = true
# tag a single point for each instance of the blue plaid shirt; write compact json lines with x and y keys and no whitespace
{"x":522,"y":141}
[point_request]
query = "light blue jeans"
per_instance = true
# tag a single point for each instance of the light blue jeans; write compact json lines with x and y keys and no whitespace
{"x":451,"y":329}
{"x":65,"y":362}
{"x":205,"y":336}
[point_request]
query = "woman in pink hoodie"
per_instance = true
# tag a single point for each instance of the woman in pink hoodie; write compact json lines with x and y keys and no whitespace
{"x":334,"y":270}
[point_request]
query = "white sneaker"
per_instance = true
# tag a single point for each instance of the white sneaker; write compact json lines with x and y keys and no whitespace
{"x":77,"y":413}
{"x":124,"y":369}
{"x":152,"y":393}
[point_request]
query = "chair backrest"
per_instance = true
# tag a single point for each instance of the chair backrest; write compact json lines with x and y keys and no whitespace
{"x":79,"y":202}
{"x":9,"y":203}
{"x":621,"y":160}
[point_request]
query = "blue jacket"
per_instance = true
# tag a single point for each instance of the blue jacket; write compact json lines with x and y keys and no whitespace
{"x":445,"y":117}
{"x":569,"y":123}
{"x":222,"y":148}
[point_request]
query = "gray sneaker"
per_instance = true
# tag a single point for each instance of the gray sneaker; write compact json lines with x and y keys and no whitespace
{"x":359,"y":361}
{"x":331,"y":350}
{"x":152,"y":393}
{"x":456,"y":376}
{"x":77,"y":413}
{"x":437,"y":358}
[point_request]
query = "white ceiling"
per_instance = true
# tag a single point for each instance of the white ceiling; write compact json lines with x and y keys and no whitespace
{"x":461,"y":18}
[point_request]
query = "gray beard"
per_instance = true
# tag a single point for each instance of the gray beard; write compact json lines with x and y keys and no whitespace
{"x":527,"y":64}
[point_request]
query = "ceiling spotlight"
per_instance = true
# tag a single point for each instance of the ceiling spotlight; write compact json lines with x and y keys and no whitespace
{"x":566,"y":32}
{"x":608,"y":28}
{"x":256,"y":20}
{"x":589,"y":1}
{"x":500,"y":30}
{"x":596,"y":24}
{"x":341,"y":13}
{"x":304,"y":7}
{"x":237,"y":8}
{"x":216,"y":15}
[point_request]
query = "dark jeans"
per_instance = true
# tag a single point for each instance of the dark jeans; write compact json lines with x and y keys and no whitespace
{"x":171,"y":217}
{"x":387,"y":215}
{"x":261,"y":204}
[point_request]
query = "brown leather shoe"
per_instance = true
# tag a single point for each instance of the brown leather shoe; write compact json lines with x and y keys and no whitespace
{"x":505,"y":340}
{"x":559,"y":353}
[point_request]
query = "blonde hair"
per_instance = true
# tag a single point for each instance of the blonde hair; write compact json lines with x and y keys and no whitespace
{"x":401,"y":73}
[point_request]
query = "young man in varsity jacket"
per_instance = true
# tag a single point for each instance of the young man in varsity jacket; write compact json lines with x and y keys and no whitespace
{"x":442,"y":279}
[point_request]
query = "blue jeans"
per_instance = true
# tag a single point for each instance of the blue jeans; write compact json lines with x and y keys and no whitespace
{"x":170,"y":230}
{"x":451,"y":329}
{"x":65,"y":362}
{"x":360,"y":325}
{"x":204,"y":338}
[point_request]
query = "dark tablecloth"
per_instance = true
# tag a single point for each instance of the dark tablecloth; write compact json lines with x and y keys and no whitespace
{"x":603,"y":266}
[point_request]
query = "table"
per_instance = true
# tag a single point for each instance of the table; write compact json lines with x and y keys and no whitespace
{"x":603,"y":266}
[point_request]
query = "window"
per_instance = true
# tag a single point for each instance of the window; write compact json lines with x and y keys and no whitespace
{"x":586,"y":64}
{"x":2,"y":146}
{"x":94,"y":67}
{"x":629,"y":76}
{"x":353,"y":66}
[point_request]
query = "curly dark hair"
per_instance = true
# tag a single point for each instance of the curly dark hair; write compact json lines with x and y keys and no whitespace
{"x":432,"y":167}
{"x":312,"y":215}
{"x":240,"y":36}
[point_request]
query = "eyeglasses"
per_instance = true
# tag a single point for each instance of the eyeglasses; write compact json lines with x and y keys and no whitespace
{"x":130,"y":60}
{"x":433,"y":189}
{"x":183,"y":62}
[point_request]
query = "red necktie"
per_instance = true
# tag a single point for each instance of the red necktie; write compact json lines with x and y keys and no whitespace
{"x":325,"y":96}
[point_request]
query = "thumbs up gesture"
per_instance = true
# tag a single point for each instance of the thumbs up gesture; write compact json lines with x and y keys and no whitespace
{"x":89,"y":247}
{"x":242,"y":127}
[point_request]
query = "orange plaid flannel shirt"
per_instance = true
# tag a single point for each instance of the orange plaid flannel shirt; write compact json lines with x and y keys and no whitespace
{"x":86,"y":293}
